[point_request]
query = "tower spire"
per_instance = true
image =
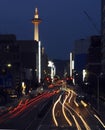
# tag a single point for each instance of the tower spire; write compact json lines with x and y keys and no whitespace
{"x":36,"y":21}
{"x":36,"y":13}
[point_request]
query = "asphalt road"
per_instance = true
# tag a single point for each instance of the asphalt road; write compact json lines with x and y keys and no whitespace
{"x":25,"y":116}
{"x":54,"y":110}
{"x":69,"y":116}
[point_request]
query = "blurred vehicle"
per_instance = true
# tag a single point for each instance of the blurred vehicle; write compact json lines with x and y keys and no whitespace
{"x":47,"y":80}
{"x":69,"y":80}
{"x":35,"y":92}
{"x":7,"y":94}
{"x":12,"y":93}
{"x":56,"y":78}
{"x":40,"y":90}
{"x":59,"y":82}
{"x":32,"y":93}
{"x":80,"y":97}
{"x":51,"y":86}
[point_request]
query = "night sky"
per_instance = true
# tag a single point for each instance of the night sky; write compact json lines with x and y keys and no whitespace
{"x":63,"y":22}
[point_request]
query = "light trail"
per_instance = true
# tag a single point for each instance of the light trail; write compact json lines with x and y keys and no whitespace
{"x":23,"y":105}
{"x":70,"y":97}
{"x":99,"y":120}
{"x":76,"y":102}
{"x":28,"y":104}
{"x":77,"y":125}
{"x":69,"y":122}
{"x":83,"y":103}
{"x":53,"y":110}
{"x":63,"y":106}
{"x":68,"y":89}
{"x":85,"y":124}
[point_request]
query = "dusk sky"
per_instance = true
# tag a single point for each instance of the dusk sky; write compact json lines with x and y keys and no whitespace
{"x":63,"y":22}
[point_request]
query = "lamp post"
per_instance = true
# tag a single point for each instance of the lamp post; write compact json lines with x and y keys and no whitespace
{"x":98,"y":92}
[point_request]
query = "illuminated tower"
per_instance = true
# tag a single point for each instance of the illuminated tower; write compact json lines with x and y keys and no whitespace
{"x":36,"y":21}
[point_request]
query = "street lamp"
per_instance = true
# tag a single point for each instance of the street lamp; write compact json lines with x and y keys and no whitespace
{"x":98,"y":87}
{"x":9,"y":65}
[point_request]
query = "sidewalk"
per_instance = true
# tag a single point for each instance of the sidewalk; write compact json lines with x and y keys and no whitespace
{"x":101,"y":111}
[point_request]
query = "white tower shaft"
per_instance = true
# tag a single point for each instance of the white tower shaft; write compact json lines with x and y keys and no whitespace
{"x":36,"y":32}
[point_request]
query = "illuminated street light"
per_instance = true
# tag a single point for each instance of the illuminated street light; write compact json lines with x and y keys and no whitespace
{"x":9,"y":65}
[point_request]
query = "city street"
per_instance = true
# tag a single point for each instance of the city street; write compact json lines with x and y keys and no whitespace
{"x":24,"y":115}
{"x":55,"y":110}
{"x":69,"y":115}
{"x":52,"y":65}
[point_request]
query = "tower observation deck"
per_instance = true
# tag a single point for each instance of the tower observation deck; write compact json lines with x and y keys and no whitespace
{"x":36,"y":21}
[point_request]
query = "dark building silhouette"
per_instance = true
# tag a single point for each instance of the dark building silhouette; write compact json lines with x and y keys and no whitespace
{"x":80,"y":53}
{"x":94,"y":64}
{"x":80,"y":58}
{"x":18,"y":61}
{"x":94,"y":55}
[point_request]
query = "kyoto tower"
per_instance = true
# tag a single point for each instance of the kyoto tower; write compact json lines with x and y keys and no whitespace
{"x":36,"y":21}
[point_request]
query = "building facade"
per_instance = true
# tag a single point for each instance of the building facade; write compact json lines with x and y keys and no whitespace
{"x":93,"y":68}
{"x":9,"y":55}
{"x":80,"y":53}
{"x":94,"y":55}
{"x":80,"y":58}
{"x":18,"y":61}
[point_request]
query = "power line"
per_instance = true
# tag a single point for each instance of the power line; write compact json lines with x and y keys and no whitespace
{"x":90,"y":19}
